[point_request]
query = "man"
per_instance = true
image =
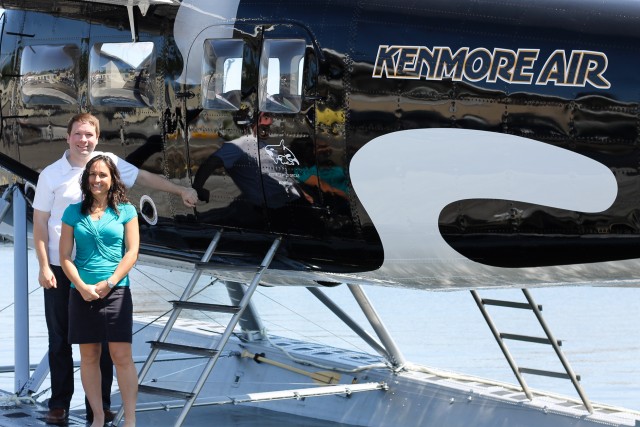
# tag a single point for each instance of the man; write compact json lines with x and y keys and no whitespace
{"x":58,"y":186}
{"x":261,"y":173}
{"x":243,"y":163}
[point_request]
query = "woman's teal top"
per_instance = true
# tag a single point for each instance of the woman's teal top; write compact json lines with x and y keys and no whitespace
{"x":334,"y":176}
{"x":99,"y":244}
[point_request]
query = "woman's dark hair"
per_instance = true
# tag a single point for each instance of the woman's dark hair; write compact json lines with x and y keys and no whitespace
{"x":117,"y":192}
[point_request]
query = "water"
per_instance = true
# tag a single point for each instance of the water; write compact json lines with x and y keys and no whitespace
{"x":598,"y":327}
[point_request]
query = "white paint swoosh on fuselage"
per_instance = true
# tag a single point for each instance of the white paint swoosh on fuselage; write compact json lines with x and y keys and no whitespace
{"x":404,"y":180}
{"x":196,"y":21}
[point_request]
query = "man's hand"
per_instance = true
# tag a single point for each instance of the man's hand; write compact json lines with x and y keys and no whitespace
{"x":46,"y":278}
{"x":159,"y":182}
{"x":189,"y":197}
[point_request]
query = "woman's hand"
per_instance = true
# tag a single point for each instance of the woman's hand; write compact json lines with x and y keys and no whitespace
{"x":88,"y":293}
{"x":102,"y":288}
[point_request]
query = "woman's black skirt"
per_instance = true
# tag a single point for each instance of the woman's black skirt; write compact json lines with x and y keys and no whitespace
{"x":109,"y":319}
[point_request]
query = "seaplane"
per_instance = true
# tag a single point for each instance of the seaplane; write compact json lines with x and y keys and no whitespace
{"x":425,"y":144}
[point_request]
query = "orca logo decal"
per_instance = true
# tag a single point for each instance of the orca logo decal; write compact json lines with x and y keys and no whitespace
{"x":281,"y":155}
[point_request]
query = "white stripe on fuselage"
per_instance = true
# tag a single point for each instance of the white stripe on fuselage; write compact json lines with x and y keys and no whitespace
{"x":196,"y":21}
{"x":404,"y":179}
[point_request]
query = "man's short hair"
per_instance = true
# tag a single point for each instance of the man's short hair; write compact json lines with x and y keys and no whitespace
{"x":84,"y":118}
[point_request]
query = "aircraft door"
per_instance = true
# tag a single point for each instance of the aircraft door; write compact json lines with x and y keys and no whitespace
{"x":220,"y":110}
{"x":285,"y":130}
{"x":250,"y":129}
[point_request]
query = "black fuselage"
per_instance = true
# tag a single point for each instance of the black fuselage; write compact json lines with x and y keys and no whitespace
{"x":560,"y":73}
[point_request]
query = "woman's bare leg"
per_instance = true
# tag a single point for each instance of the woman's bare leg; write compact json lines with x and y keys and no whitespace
{"x":92,"y":380}
{"x":127,"y":379}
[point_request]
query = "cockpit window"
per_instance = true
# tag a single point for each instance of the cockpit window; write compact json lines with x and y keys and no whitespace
{"x":49,"y":74}
{"x":122,"y":74}
{"x":281,"y":75}
{"x":222,"y":74}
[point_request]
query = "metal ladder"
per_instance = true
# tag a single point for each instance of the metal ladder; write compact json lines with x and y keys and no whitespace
{"x":212,"y":353}
{"x":549,"y":340}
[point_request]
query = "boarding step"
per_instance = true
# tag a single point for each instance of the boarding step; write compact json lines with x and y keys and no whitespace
{"x":511,"y":304}
{"x":549,"y":340}
{"x":187,"y":349}
{"x":528,"y":338}
{"x":184,"y":395}
{"x":545,"y":373}
{"x":218,"y":308}
{"x":212,"y":354}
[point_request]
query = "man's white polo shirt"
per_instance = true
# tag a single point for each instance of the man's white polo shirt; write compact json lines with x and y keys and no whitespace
{"x":59,"y":186}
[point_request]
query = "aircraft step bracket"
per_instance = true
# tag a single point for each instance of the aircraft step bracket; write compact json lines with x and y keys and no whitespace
{"x":548,"y":340}
{"x":267,"y":396}
{"x":299,"y":394}
{"x":220,"y":342}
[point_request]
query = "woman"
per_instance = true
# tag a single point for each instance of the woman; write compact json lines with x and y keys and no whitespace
{"x":104,"y":227}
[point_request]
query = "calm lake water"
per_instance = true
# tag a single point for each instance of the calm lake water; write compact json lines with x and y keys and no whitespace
{"x":599,"y":327}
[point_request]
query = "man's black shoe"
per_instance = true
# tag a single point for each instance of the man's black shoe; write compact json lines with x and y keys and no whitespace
{"x":57,"y":416}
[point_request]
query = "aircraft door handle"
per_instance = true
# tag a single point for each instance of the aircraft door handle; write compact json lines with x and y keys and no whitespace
{"x":188,"y":94}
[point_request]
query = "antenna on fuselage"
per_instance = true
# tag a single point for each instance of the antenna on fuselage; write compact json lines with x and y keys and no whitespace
{"x":143,"y":6}
{"x":132,"y":21}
